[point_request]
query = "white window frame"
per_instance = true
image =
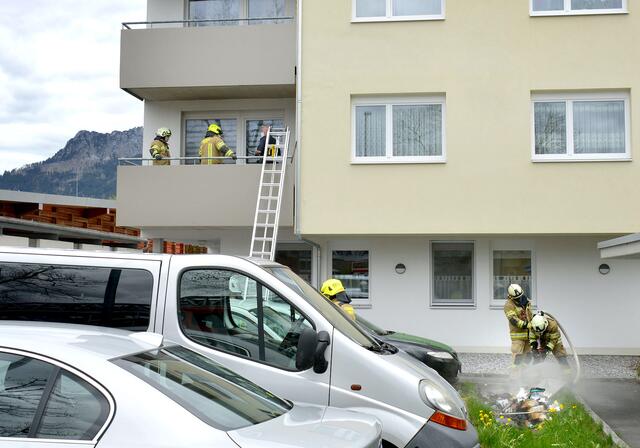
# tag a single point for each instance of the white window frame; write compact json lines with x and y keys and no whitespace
{"x":504,"y":245}
{"x":344,"y":246}
{"x":569,"y":99}
{"x":388,"y":103}
{"x":474,"y":272}
{"x":567,"y":11}
{"x":244,"y":10}
{"x":389,"y":17}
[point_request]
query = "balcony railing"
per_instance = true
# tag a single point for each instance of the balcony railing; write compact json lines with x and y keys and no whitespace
{"x":138,"y":161}
{"x":205,"y":22}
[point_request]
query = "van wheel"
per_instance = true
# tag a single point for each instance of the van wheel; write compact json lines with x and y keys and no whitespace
{"x":386,"y":444}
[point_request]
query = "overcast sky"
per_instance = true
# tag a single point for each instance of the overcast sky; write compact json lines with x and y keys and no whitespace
{"x":59,"y":64}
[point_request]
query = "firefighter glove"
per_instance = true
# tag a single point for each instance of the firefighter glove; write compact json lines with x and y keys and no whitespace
{"x":157,"y":157}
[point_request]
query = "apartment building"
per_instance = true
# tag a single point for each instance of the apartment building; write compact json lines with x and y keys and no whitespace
{"x":443,"y":149}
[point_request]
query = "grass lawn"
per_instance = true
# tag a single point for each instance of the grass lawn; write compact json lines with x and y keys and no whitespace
{"x":571,"y":427}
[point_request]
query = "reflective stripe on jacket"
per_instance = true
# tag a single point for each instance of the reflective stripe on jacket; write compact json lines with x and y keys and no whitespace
{"x":213,"y":147}
{"x":518,"y":318}
{"x":160,"y":147}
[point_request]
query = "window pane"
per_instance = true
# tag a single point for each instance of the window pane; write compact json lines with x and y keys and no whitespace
{"x":417,"y":7}
{"x":452,"y":273}
{"x":417,"y":130}
{"x":266,"y":9}
{"x":370,"y":131}
{"x":216,"y":395}
{"x":351,"y":267}
{"x":119,"y":298}
{"x":299,"y":260}
{"x":75,"y":410}
{"x":253,"y":134}
{"x":598,"y":127}
{"x":214,"y":10}
{"x":596,"y":4}
{"x":511,"y":266}
{"x":195,"y":130}
{"x":209,"y":299}
{"x":371,"y":8}
{"x":548,"y":5}
{"x":550,"y":128}
{"x":22,"y":382}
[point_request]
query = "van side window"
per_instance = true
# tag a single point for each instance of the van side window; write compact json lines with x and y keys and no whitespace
{"x":231,"y":312}
{"x":40,"y":400}
{"x":109,"y":297}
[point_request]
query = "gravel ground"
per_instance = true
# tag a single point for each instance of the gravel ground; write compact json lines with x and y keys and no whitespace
{"x":593,"y":366}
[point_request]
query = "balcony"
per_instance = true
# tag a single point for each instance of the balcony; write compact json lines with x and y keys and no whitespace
{"x":181,"y":60}
{"x":189,"y":196}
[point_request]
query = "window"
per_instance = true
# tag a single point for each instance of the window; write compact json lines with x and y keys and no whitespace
{"x":351,"y":267}
{"x":211,"y":298}
{"x":298,"y":258}
{"x":398,"y":130}
{"x":195,"y":130}
{"x":452,"y":268}
{"x":119,"y":298}
{"x":212,"y":393}
{"x":40,"y":400}
{"x":511,"y":266}
{"x":222,"y":12}
{"x":253,"y":136}
{"x":581,"y":127}
{"x":571,"y":7}
{"x":382,"y":10}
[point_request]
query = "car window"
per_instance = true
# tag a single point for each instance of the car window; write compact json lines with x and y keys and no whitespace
{"x":41,"y":400}
{"x":212,"y":302}
{"x":212,"y":393}
{"x":119,"y":298}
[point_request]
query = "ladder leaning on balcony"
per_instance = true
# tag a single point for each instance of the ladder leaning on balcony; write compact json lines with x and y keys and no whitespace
{"x":267,"y":216}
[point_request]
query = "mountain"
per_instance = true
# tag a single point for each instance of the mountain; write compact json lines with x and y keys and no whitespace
{"x":87,"y":163}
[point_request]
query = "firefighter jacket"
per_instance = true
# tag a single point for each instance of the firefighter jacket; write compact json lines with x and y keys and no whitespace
{"x":518,"y":317}
{"x":160,"y":147}
{"x":348,"y":309}
{"x":213,"y":146}
{"x":551,"y":338}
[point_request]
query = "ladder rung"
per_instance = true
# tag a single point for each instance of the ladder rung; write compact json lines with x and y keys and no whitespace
{"x":273,"y":171}
{"x":260,"y":253}
{"x":269,"y":184}
{"x":267,"y":211}
{"x":266,"y":198}
{"x":264,"y":224}
{"x":262,"y":238}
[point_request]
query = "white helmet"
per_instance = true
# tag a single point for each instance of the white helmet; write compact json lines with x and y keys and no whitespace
{"x":164,"y":132}
{"x":514,"y":290}
{"x":539,"y":323}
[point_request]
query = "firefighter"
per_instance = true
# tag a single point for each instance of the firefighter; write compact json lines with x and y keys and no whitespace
{"x":160,"y":147}
{"x":545,"y":337}
{"x":212,"y":145}
{"x":333,"y":290}
{"x":518,"y":312}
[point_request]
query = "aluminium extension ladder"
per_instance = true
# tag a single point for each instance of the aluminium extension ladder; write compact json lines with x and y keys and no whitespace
{"x":270,"y":189}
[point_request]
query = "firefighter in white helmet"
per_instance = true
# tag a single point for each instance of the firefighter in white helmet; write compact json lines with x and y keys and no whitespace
{"x":545,"y":337}
{"x":518,"y":311}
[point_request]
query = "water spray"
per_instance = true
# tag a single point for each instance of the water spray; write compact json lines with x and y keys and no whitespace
{"x":578,"y":369}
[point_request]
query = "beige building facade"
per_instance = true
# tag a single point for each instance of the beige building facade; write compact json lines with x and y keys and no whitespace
{"x":443,"y":149}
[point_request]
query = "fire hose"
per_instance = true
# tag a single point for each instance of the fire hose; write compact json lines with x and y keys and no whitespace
{"x":573,"y":350}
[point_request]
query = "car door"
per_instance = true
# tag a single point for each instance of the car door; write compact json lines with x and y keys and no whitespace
{"x":201,"y":316}
{"x":43,"y":405}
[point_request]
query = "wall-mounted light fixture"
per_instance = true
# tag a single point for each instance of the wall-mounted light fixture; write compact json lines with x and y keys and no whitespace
{"x":604,"y":269}
{"x":401,"y":268}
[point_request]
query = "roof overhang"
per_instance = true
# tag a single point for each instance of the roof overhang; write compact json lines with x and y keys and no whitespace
{"x":623,"y":247}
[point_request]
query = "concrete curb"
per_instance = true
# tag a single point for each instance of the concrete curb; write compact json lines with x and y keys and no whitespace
{"x":605,"y":427}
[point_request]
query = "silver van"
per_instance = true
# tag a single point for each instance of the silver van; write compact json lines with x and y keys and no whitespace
{"x":318,"y":356}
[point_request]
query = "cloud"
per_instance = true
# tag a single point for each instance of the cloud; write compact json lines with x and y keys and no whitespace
{"x":59,"y":73}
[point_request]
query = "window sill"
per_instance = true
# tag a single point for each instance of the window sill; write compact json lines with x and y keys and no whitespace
{"x":586,"y":12}
{"x":398,"y":160}
{"x":396,"y":19}
{"x":362,"y":306}
{"x":575,"y":159}
{"x":451,"y":306}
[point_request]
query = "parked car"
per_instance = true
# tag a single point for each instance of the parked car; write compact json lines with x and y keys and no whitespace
{"x":324,"y":358}
{"x":440,"y":357}
{"x":68,"y":384}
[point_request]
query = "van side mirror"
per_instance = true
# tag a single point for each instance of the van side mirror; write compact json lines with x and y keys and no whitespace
{"x":307,"y":344}
{"x":324,"y":340}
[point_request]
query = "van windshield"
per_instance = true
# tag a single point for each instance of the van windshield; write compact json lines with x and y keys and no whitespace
{"x":330,"y":311}
{"x":214,"y":394}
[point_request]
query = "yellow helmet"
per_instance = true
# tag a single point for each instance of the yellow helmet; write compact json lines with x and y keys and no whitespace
{"x":333,"y":289}
{"x":215,"y":128}
{"x":163,"y":132}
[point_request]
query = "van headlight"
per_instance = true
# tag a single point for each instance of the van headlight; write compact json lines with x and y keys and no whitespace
{"x":439,"y":398}
{"x":440,"y":355}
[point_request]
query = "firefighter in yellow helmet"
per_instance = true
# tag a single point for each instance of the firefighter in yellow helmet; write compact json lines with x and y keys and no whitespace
{"x":160,"y":147}
{"x":212,"y":145}
{"x":545,"y":337}
{"x":333,"y":290}
{"x":518,"y":311}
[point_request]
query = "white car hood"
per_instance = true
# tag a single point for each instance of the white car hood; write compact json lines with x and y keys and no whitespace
{"x":311,"y":426}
